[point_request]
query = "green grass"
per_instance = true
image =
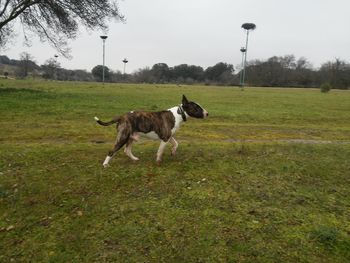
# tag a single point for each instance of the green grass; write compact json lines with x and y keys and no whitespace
{"x":264,"y":179}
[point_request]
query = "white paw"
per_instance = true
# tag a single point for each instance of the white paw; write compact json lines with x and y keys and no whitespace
{"x":105,"y":165}
{"x":173,"y":151}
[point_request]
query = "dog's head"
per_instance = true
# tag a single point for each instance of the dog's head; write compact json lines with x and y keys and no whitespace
{"x":193,"y":109}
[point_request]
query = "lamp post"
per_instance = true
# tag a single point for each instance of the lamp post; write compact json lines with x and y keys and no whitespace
{"x":243,"y":50}
{"x":125,"y":61}
{"x":56,"y":67}
{"x":103,"y":68}
{"x":247,"y":27}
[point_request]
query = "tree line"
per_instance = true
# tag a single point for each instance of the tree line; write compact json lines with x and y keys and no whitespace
{"x":287,"y":71}
{"x":59,"y":21}
{"x":277,"y":71}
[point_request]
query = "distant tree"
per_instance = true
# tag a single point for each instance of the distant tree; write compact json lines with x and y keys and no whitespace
{"x":97,"y":73}
{"x":118,"y":76}
{"x":161,"y":73}
{"x":26,"y":65}
{"x":4,"y":60}
{"x":304,"y":74}
{"x":190,"y":72}
{"x":73,"y":75}
{"x":287,"y":62}
{"x":303,"y":63}
{"x":179,"y":80}
{"x":50,"y":69}
{"x":180,"y":71}
{"x":219,"y":72}
{"x":80,"y":75}
{"x":227,"y":78}
{"x":6,"y":74}
{"x":337,"y":73}
{"x":55,"y":21}
{"x":279,"y":68}
{"x":143,"y":75}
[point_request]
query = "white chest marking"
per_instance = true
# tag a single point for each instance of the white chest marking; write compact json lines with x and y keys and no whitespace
{"x":178,"y":119}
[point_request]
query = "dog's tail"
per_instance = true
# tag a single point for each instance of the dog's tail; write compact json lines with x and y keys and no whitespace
{"x":114,"y":120}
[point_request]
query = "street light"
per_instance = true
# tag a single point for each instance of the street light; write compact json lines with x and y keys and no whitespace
{"x":243,"y":50}
{"x":56,"y":67}
{"x":103,"y":68}
{"x":125,"y":61}
{"x":247,"y":27}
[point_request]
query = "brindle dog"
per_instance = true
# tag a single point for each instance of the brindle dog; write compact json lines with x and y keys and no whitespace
{"x":155,"y":125}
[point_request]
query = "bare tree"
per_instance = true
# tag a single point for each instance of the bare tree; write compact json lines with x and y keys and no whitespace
{"x":51,"y":68}
{"x":337,"y":73}
{"x":303,"y":63}
{"x":25,"y":65}
{"x":56,"y":21}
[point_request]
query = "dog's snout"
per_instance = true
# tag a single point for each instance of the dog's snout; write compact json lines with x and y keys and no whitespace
{"x":207,"y":114}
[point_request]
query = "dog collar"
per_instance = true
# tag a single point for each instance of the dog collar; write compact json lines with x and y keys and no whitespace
{"x":181,"y":111}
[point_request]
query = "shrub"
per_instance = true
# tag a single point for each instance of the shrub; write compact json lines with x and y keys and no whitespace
{"x":325,"y":87}
{"x":326,"y":235}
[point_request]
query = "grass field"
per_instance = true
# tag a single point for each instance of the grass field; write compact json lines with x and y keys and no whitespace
{"x":266,"y":178}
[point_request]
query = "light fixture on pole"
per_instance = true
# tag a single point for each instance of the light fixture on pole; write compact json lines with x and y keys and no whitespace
{"x":103,"y":68}
{"x":125,"y":61}
{"x":247,"y":27}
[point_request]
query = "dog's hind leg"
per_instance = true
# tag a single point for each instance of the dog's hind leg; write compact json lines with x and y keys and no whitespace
{"x":174,"y":144}
{"x":122,"y":138}
{"x":128,"y":150}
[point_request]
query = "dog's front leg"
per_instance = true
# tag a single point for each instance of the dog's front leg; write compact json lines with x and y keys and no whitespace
{"x":161,"y":151}
{"x":174,"y":144}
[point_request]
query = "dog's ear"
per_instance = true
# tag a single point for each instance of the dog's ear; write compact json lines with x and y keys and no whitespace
{"x":184,"y":99}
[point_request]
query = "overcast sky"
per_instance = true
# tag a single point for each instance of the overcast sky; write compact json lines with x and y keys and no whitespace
{"x":204,"y":32}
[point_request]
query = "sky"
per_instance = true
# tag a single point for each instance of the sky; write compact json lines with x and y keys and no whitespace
{"x":205,"y":32}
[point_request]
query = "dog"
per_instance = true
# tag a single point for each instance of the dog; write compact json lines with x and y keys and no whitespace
{"x":161,"y":125}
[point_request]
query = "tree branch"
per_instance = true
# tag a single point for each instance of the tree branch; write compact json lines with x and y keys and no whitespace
{"x":56,"y":20}
{"x":18,"y":10}
{"x":5,"y":7}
